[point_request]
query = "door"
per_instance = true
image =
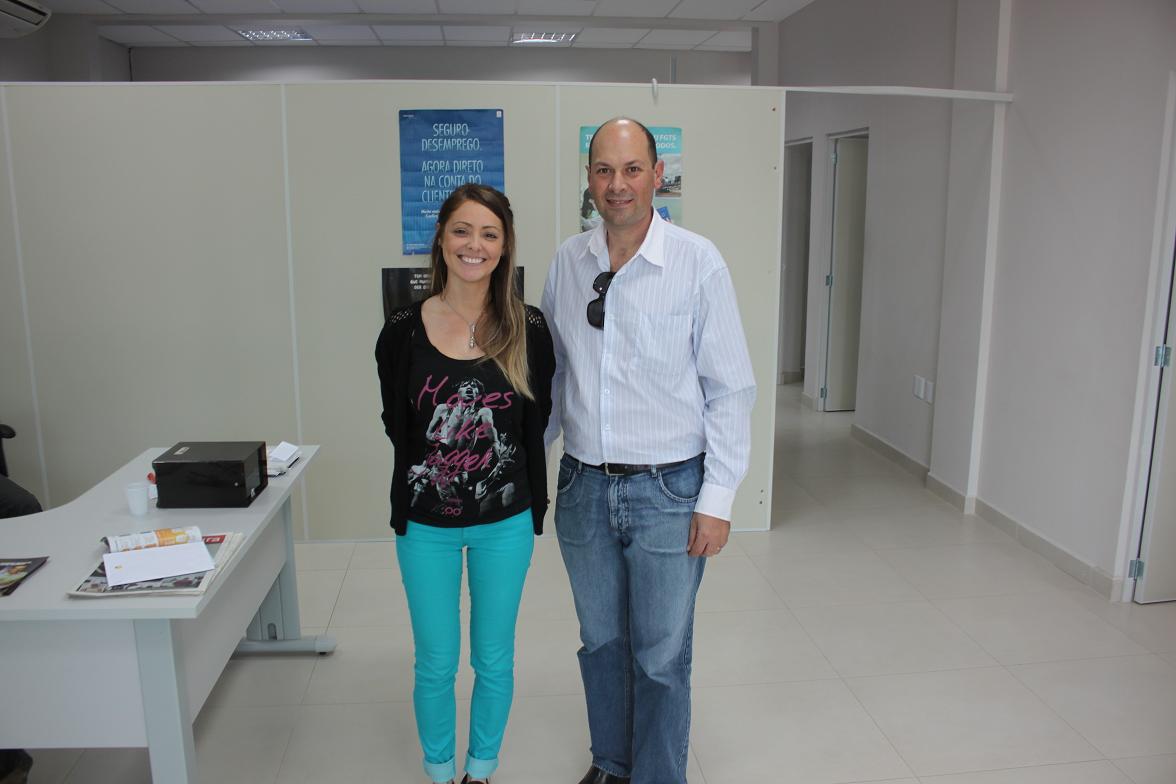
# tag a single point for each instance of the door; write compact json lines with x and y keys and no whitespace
{"x":844,"y":280}
{"x":1157,"y":550}
{"x":798,"y":164}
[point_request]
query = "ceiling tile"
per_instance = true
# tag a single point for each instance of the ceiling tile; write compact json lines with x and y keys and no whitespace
{"x":685,"y":39}
{"x":708,"y":9}
{"x":136,"y":34}
{"x":413,"y":43}
{"x":235,"y":6}
{"x":739,"y":39}
{"x":480,"y":7}
{"x":200,"y":33}
{"x":241,"y":42}
{"x":154,"y":6}
{"x":429,"y":33}
{"x":556,"y":7}
{"x":475,"y":43}
{"x":611,"y":35}
{"x":470,"y":33}
{"x":345,"y":42}
{"x":649,"y":8}
{"x":317,"y":6}
{"x":775,"y":10}
{"x":79,"y":7}
{"x":577,"y":44}
{"x":397,"y":6}
{"x":336,"y":33}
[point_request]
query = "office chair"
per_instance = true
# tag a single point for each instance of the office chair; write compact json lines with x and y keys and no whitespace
{"x":5,"y":432}
{"x":14,"y":499}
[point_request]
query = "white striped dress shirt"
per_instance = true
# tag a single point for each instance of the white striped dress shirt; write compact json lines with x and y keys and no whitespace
{"x":669,"y":376}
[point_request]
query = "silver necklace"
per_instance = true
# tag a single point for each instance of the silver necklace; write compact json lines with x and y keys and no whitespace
{"x":473,"y":325}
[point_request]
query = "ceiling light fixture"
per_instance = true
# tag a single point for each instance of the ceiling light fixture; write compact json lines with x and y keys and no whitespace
{"x":543,"y":38}
{"x":274,"y":34}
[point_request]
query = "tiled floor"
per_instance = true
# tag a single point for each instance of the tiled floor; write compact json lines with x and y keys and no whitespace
{"x":873,"y":635}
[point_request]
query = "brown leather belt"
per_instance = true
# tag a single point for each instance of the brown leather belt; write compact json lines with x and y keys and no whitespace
{"x":629,"y":469}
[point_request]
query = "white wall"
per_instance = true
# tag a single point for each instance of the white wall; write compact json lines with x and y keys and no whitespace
{"x":1080,"y":180}
{"x":67,"y":49}
{"x":906,"y":42}
{"x":968,"y":251}
{"x":481,"y":63}
{"x":837,"y":42}
{"x":114,"y":61}
{"x":25,"y":59}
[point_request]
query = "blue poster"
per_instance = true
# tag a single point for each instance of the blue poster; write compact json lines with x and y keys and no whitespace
{"x":441,"y":149}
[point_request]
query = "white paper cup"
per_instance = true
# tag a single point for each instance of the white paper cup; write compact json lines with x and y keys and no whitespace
{"x":137,"y":498}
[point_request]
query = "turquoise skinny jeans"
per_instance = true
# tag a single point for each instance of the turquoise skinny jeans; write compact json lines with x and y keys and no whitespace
{"x":430,"y":565}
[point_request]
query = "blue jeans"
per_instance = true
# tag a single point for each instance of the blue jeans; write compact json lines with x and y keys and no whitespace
{"x":623,"y":540}
{"x":430,"y":566}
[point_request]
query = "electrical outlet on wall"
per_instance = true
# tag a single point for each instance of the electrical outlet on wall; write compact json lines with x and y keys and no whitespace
{"x":920,"y":387}
{"x":929,"y":391}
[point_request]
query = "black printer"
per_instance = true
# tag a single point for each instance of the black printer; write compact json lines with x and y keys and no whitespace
{"x":210,"y":474}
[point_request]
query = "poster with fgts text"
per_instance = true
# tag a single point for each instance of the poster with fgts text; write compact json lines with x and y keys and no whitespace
{"x":667,"y":200}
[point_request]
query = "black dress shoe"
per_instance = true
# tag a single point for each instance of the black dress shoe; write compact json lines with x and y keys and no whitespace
{"x":597,"y":776}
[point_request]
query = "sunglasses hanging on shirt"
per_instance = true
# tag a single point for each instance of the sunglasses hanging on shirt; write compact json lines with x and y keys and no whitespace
{"x":596,"y":306}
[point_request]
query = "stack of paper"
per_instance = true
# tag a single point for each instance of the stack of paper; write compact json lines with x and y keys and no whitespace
{"x":185,"y":568}
{"x":279,"y":458}
{"x":134,"y":566}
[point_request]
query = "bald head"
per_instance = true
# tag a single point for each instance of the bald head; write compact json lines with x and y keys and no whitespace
{"x":624,"y":124}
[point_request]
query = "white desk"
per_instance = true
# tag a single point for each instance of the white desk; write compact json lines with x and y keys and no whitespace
{"x":126,"y":671}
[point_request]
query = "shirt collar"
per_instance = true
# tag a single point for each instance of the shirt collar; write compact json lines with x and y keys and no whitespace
{"x":652,"y":247}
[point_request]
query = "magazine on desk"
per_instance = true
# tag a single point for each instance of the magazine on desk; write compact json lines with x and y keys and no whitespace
{"x":14,"y":571}
{"x":221,"y":547}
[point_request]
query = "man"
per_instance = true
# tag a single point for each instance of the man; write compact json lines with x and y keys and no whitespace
{"x":653,"y":390}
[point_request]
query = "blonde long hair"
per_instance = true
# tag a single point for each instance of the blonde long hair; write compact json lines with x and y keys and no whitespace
{"x":506,"y":321}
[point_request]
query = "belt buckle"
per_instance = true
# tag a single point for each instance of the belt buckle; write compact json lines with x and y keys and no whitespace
{"x":607,"y":472}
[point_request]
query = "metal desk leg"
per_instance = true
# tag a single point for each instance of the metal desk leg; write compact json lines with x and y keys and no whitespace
{"x":277,"y":628}
{"x":165,"y":703}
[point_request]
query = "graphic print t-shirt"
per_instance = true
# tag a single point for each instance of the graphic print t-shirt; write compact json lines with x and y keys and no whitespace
{"x":466,"y":448}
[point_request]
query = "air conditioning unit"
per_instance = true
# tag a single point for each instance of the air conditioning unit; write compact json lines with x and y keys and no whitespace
{"x":21,"y":17}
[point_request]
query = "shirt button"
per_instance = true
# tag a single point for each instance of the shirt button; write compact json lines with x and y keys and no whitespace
{"x":606,"y":391}
{"x":608,"y":427}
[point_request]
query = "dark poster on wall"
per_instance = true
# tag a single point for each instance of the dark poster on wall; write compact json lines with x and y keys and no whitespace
{"x":406,"y":285}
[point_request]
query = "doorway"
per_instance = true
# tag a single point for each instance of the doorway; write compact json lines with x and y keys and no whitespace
{"x":844,"y":279}
{"x":1154,"y":568}
{"x":798,"y":171}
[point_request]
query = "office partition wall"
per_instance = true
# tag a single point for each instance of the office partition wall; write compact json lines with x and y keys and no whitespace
{"x":202,"y":262}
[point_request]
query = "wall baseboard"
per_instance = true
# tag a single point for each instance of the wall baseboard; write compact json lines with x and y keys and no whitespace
{"x":791,"y":376}
{"x":892,"y":453}
{"x":809,"y":402}
{"x":950,"y":494}
{"x":1087,"y":574}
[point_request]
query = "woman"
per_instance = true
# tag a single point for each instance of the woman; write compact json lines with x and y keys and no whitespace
{"x":466,"y":383}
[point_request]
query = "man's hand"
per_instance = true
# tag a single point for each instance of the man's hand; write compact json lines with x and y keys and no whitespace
{"x":708,"y":535}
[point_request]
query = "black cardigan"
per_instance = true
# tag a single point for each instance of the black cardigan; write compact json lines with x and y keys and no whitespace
{"x":392,"y":357}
